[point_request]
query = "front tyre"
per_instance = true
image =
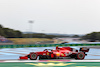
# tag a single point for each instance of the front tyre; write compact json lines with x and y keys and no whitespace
{"x":80,"y":56}
{"x":33,"y":56}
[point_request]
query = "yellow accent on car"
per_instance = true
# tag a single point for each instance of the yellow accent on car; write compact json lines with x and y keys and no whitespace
{"x":47,"y":53}
{"x":57,"y":54}
{"x":62,"y":54}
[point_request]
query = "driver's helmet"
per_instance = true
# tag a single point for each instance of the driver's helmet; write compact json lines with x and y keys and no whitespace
{"x":45,"y":50}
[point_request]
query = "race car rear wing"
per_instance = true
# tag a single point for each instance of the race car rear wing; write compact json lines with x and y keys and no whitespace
{"x":84,"y":49}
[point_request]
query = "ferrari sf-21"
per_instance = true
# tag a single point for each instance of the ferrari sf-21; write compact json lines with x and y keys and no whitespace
{"x":59,"y":52}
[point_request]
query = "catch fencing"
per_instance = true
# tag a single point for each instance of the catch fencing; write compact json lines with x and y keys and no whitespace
{"x":44,"y":45}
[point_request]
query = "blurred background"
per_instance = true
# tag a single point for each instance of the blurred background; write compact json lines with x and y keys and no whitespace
{"x":11,"y":36}
{"x":49,"y":22}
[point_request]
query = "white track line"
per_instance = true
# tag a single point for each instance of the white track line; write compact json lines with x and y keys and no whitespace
{"x":85,"y":60}
{"x":50,"y":61}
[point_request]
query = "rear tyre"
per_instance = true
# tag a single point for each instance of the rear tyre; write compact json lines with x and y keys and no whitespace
{"x":80,"y":56}
{"x":33,"y":56}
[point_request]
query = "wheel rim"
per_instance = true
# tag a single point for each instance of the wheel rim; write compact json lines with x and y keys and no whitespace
{"x":81,"y":56}
{"x":33,"y":56}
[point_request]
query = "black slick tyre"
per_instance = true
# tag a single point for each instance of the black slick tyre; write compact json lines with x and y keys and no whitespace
{"x":80,"y":56}
{"x":33,"y":56}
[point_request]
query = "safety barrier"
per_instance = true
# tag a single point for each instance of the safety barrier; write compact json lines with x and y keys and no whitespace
{"x":44,"y":45}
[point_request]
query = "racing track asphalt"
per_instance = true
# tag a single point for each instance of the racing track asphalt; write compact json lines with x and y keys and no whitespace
{"x":14,"y":53}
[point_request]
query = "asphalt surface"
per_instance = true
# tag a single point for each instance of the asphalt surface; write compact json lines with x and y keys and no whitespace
{"x":9,"y":58}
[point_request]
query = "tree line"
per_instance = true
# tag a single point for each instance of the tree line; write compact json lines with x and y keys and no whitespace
{"x":11,"y":33}
{"x":92,"y":37}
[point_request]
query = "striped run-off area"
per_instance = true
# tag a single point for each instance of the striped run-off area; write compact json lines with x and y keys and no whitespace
{"x":50,"y":63}
{"x":14,"y":53}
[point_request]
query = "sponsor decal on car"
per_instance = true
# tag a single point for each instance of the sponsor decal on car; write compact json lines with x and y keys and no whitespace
{"x":47,"y":53}
{"x":44,"y":54}
{"x":57,"y":54}
{"x":62,"y":54}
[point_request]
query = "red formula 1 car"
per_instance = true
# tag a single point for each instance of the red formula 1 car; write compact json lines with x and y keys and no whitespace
{"x":59,"y":52}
